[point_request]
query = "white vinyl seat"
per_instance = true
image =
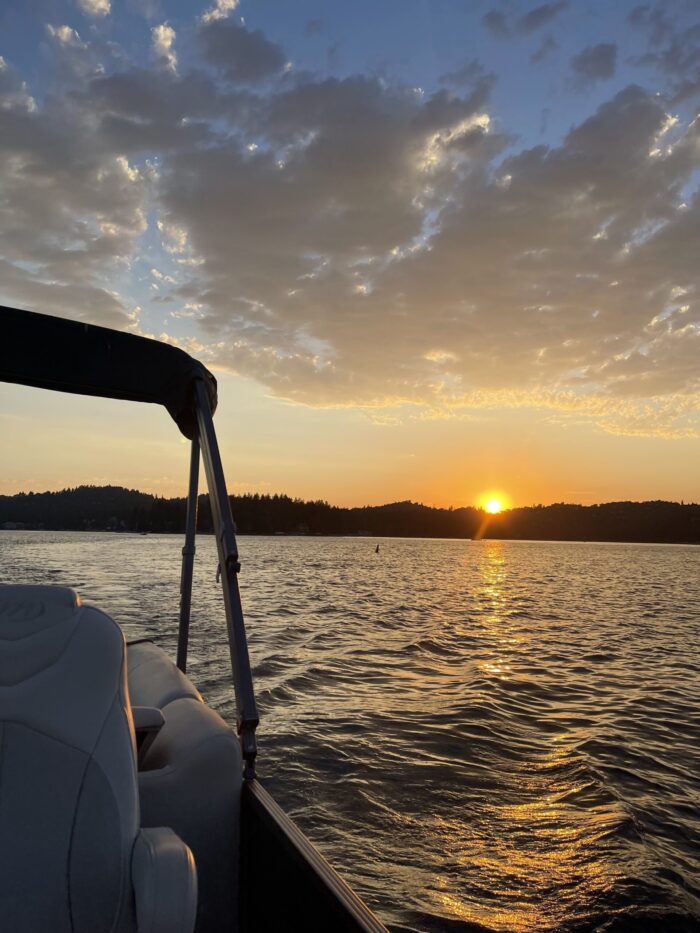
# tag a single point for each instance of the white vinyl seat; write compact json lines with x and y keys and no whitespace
{"x":73,"y":858}
{"x":153,"y":678}
{"x":191,"y":778}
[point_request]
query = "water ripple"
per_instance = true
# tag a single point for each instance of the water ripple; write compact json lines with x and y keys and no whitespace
{"x":482,"y":736}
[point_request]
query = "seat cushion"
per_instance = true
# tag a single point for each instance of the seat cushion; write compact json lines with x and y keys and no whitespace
{"x":165,"y":882}
{"x":68,"y":787}
{"x":153,"y":678}
{"x":191,"y":779}
{"x":192,"y":782}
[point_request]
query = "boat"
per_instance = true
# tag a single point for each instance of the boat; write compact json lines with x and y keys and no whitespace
{"x":128,"y":804}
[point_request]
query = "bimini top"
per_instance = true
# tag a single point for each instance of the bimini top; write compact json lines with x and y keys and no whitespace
{"x":70,"y":356}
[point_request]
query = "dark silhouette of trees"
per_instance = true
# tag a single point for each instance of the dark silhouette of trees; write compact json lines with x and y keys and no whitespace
{"x":113,"y":508}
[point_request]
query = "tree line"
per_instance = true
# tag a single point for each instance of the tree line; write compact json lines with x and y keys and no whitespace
{"x":113,"y":508}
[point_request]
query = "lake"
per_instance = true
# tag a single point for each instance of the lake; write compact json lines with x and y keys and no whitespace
{"x":481,"y":736}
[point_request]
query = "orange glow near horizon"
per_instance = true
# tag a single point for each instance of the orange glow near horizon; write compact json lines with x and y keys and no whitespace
{"x":493,"y":502}
{"x":340,"y":455}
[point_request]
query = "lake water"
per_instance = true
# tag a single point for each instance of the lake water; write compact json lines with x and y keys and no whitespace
{"x":481,"y":736}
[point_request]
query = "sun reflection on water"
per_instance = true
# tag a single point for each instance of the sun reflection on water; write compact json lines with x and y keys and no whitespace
{"x":501,"y":636}
{"x":530,"y":848}
{"x":527,"y":862}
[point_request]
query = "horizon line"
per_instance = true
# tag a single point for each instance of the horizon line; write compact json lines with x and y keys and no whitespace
{"x":444,"y":508}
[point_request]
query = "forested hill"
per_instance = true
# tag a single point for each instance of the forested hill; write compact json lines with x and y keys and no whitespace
{"x":113,"y":508}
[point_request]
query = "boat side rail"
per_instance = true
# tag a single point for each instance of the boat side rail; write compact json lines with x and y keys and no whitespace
{"x":309,"y":893}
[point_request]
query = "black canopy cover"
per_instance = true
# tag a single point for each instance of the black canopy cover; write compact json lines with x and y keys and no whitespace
{"x":70,"y":356}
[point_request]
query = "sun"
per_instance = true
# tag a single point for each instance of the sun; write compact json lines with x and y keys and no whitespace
{"x":493,"y":502}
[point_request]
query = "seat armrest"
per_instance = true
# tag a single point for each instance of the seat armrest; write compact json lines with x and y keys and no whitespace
{"x":165,"y":882}
{"x":148,"y":721}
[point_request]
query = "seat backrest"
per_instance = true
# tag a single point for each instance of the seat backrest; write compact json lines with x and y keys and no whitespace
{"x":69,"y":811}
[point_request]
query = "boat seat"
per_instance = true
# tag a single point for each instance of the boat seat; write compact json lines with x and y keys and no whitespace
{"x":73,"y":857}
{"x":191,"y":779}
{"x":153,"y":678}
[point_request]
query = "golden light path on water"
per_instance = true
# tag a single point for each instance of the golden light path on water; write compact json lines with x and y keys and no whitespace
{"x":481,"y":735}
{"x":545,"y":842}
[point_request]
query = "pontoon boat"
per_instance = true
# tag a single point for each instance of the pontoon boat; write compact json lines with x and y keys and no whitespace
{"x":126,"y":803}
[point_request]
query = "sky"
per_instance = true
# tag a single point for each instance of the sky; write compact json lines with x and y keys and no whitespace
{"x":431,"y":249}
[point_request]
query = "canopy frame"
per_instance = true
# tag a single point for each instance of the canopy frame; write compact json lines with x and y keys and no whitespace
{"x":188,"y":552}
{"x":50,"y":352}
{"x":229,"y":564}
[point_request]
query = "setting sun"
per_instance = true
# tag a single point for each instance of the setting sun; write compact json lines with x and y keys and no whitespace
{"x":493,"y":502}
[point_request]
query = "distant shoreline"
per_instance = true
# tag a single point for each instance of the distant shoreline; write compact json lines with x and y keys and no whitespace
{"x":116,"y":509}
{"x":369,"y":537}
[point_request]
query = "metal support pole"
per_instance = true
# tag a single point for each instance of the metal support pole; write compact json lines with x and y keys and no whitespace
{"x":228,"y":562}
{"x":188,"y":553}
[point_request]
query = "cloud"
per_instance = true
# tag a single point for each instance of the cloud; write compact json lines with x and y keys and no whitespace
{"x":495,"y":22}
{"x":653,"y":18}
{"x":673,"y":48}
{"x":313,"y":27}
{"x":74,"y":60}
{"x":95,"y":8}
{"x":517,"y":283}
{"x":70,"y":210}
{"x":595,"y":63}
{"x":546,"y":48}
{"x":78,"y":301}
{"x":353,"y":242}
{"x":64,"y":35}
{"x":148,"y":9}
{"x":540,"y":16}
{"x":240,"y":55}
{"x":13,"y":90}
{"x":221,"y":10}
{"x":471,"y":74}
{"x":163,"y":38}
